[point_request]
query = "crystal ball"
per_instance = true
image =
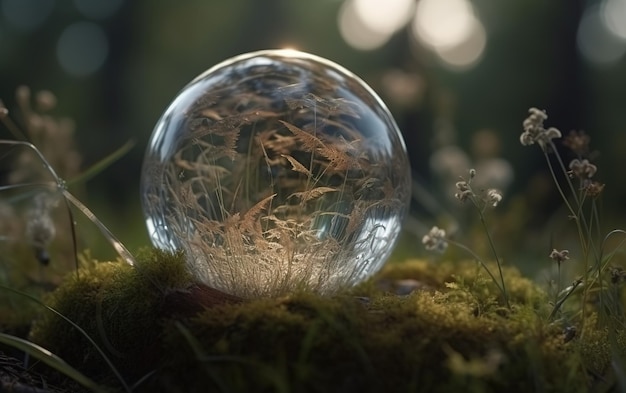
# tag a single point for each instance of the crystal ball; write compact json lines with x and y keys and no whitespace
{"x":276,"y":171}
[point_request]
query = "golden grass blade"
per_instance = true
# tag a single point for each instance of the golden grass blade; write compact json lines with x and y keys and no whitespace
{"x":117,"y":245}
{"x":309,"y":142}
{"x":251,"y":215}
{"x":296,"y":165}
{"x":313,"y":193}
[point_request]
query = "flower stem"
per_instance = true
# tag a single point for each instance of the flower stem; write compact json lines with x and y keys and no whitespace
{"x":495,"y":254}
{"x":484,"y":266}
{"x":557,"y":305}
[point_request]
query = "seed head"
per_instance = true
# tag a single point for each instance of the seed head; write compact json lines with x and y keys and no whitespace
{"x":462,"y":186}
{"x":582,"y":169}
{"x":435,"y":240}
{"x":494,"y":197}
{"x":534,"y":131}
{"x":593,"y":189}
{"x":534,"y":122}
{"x":559,"y":256}
{"x":464,"y":191}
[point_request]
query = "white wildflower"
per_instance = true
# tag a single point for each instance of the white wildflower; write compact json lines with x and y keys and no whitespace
{"x":464,"y":191}
{"x":494,"y":197}
{"x":435,"y":240}
{"x":534,"y":131}
{"x":582,"y":169}
{"x":559,"y":256}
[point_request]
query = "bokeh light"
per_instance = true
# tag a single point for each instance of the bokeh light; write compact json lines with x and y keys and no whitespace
{"x":466,"y":54}
{"x":369,"y":24}
{"x":451,"y":29}
{"x":614,"y":16}
{"x":385,"y":17}
{"x":82,"y":48}
{"x":402,"y":88}
{"x":26,"y":15}
{"x":443,"y":23}
{"x":355,"y":31}
{"x":597,"y":42}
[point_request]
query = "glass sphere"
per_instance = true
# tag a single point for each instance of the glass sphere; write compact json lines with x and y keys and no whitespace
{"x":277,"y":171}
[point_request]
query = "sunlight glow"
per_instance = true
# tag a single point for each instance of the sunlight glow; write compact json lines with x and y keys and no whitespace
{"x":356,"y":32}
{"x":82,"y":48}
{"x":613,"y":13}
{"x":466,"y":54}
{"x":384,"y":17}
{"x":451,"y":30}
{"x":26,"y":15}
{"x":443,"y":23}
{"x":596,"y":42}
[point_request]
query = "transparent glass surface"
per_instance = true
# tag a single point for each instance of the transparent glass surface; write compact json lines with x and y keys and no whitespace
{"x":277,"y":171}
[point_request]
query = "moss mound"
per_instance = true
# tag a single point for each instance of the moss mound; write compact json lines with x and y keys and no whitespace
{"x":449,"y":333}
{"x":117,"y":305}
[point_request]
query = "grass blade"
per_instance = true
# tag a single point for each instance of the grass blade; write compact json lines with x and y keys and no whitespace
{"x":117,"y":245}
{"x":50,"y":359}
{"x":103,"y":163}
{"x":81,"y":330}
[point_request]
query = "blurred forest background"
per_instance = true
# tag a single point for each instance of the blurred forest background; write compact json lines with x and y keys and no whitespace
{"x":458,"y":75}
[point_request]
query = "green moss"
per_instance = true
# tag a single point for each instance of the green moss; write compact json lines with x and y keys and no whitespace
{"x":450,"y":335}
{"x":118,"y":306}
{"x":468,"y":273}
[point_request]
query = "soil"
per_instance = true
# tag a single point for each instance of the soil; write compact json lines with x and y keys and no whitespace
{"x":15,"y":377}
